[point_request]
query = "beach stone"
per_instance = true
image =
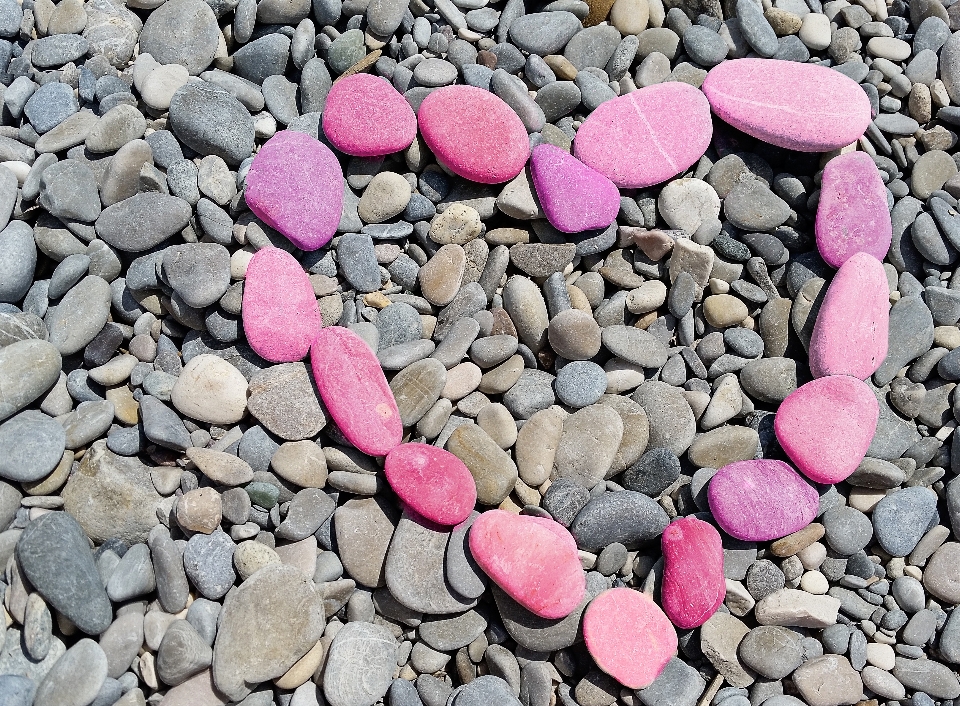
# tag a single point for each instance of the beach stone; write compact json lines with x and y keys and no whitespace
{"x":364,"y":527}
{"x":494,"y":472}
{"x":678,"y":684}
{"x":693,"y":584}
{"x":939,"y":578}
{"x":720,"y":637}
{"x":544,"y":33}
{"x":18,"y":260}
{"x":283,"y":400}
{"x":634,"y":346}
{"x":828,"y":681}
{"x":432,"y":481}
{"x":847,"y":530}
{"x":771,"y":651}
{"x":49,"y":106}
{"x":417,"y":387}
{"x":359,"y":649}
{"x":198,"y":272}
{"x":486,"y":689}
{"x":901,"y":519}
{"x":573,"y":196}
{"x":80,"y":315}
{"x":365,"y":116}
{"x":68,"y":190}
{"x":184,"y":33}
{"x":33,"y":444}
{"x":142,"y":221}
{"x":671,"y":421}
{"x":792,"y":608}
{"x":630,"y":518}
{"x":587,"y":445}
{"x":750,"y":205}
{"x":210,"y":390}
{"x":210,"y":120}
{"x":76,"y":677}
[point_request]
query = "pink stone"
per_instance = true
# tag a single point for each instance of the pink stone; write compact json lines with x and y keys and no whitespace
{"x":355,"y":391}
{"x":280,"y":313}
{"x":574,"y":197}
{"x":295,"y":185}
{"x":365,"y":116}
{"x":474,"y":133}
{"x":628,"y":636}
{"x":433,"y":482}
{"x":801,"y":107}
{"x":851,"y":330}
{"x":852,"y":215}
{"x":646,"y":136}
{"x":760,"y":500}
{"x":693,"y":581}
{"x":826,"y":426}
{"x":533,"y":559}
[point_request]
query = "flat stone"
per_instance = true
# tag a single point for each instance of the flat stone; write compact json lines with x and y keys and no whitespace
{"x":693,"y":584}
{"x":142,"y":221}
{"x":282,"y":398}
{"x":720,"y":639}
{"x":210,"y":390}
{"x":33,"y":445}
{"x":790,"y":607}
{"x":573,"y":196}
{"x":364,"y":527}
{"x":671,"y":421}
{"x":494,"y":472}
{"x":210,"y":120}
{"x":76,"y":677}
{"x":771,"y":651}
{"x":901,"y":519}
{"x":432,"y":481}
{"x":939,"y":575}
{"x":630,"y":518}
{"x":365,"y":116}
{"x":360,"y":665}
{"x":184,"y":33}
{"x":588,"y":443}
{"x":828,"y":681}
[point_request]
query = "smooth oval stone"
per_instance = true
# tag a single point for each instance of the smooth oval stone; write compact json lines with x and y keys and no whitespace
{"x":573,"y":196}
{"x":628,"y":636}
{"x":27,"y":370}
{"x":801,"y":107}
{"x":827,"y":425}
{"x":32,"y":444}
{"x":850,"y":333}
{"x":646,"y":136}
{"x":760,"y":500}
{"x":355,"y":391}
{"x":533,"y":559}
{"x":365,"y":116}
{"x":142,"y":221}
{"x":693,"y":582}
{"x":295,"y":185}
{"x":432,"y":481}
{"x":280,"y":312}
{"x":852,"y":215}
{"x":487,"y":141}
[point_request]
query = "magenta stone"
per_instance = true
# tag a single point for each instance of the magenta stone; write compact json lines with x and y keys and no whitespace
{"x":573,"y":196}
{"x":801,"y":107}
{"x":295,"y":185}
{"x":365,"y":116}
{"x":693,"y":581}
{"x":434,"y":482}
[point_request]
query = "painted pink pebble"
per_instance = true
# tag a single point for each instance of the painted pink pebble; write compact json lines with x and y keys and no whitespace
{"x":826,"y":426}
{"x":693,"y":582}
{"x":801,"y":107}
{"x":852,"y":215}
{"x":573,"y":196}
{"x":280,"y":313}
{"x":760,"y":500}
{"x":295,"y":185}
{"x":851,"y":330}
{"x":533,"y":559}
{"x":365,"y":116}
{"x":474,"y":133}
{"x":434,"y":482}
{"x":355,"y":391}
{"x":647,"y":136}
{"x":628,"y":636}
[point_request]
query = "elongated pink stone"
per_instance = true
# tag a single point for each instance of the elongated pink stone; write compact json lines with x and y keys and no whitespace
{"x":826,"y":426}
{"x":801,"y":107}
{"x":851,"y":330}
{"x":365,"y":116}
{"x":434,"y":482}
{"x":280,"y":312}
{"x":355,"y":391}
{"x":573,"y":196}
{"x":693,"y":582}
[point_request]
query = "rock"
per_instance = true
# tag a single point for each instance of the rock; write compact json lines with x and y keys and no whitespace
{"x":933,"y":678}
{"x":364,"y":527}
{"x":210,"y":120}
{"x":182,"y":653}
{"x":210,"y":390}
{"x":671,"y":421}
{"x":573,"y":196}
{"x":184,"y":33}
{"x":365,"y":116}
{"x":76,"y":677}
{"x":18,"y":260}
{"x":359,"y":649}
{"x":142,"y":221}
{"x":432,"y":481}
{"x":939,"y":578}
{"x":828,"y":681}
{"x":589,"y":440}
{"x":790,"y":607}
{"x":901,"y":519}
{"x":494,"y":472}
{"x":33,"y":444}
{"x":771,"y":651}
{"x":27,"y":369}
{"x":630,"y":518}
{"x":720,"y":639}
{"x":282,"y":398}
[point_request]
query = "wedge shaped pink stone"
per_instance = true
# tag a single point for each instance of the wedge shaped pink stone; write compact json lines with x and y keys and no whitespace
{"x":355,"y":391}
{"x":533,"y":559}
{"x":646,"y":136}
{"x":573,"y":196}
{"x":628,"y":636}
{"x":851,"y":331}
{"x":365,"y":116}
{"x":693,"y":582}
{"x":826,"y":426}
{"x":801,"y":107}
{"x":295,"y":185}
{"x":434,"y":482}
{"x":852,"y":215}
{"x":280,"y":312}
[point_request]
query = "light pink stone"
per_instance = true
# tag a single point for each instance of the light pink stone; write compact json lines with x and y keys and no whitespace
{"x":573,"y":196}
{"x":365,"y":116}
{"x":693,"y":581}
{"x":646,"y":136}
{"x":433,"y":482}
{"x":801,"y":107}
{"x":826,"y":426}
{"x":851,"y":330}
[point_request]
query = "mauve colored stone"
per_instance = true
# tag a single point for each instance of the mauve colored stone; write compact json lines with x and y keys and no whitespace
{"x":826,"y":426}
{"x":355,"y":391}
{"x":433,"y":482}
{"x":851,"y":330}
{"x":474,"y":133}
{"x":693,"y":581}
{"x":801,"y":107}
{"x":573,"y":196}
{"x":295,"y":185}
{"x":533,"y":559}
{"x":760,"y":500}
{"x":365,"y":116}
{"x":280,"y":313}
{"x":646,"y":136}
{"x":628,"y":636}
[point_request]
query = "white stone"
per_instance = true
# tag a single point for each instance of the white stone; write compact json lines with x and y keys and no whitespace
{"x":792,"y":608}
{"x":686,"y":203}
{"x":210,"y":390}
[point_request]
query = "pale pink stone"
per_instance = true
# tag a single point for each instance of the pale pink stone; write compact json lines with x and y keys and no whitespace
{"x":365,"y":116}
{"x":431,"y":481}
{"x":693,"y":581}
{"x":573,"y":196}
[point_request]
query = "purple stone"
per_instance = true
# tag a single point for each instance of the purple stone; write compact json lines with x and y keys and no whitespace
{"x":573,"y":196}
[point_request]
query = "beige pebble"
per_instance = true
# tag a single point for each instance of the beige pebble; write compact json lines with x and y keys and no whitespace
{"x":865,"y":499}
{"x":302,"y":463}
{"x":251,"y":556}
{"x":622,"y":376}
{"x":462,"y":379}
{"x":199,"y":510}
{"x":441,"y":277}
{"x":724,"y":310}
{"x":210,"y":390}
{"x":947,"y":337}
{"x":814,"y":582}
{"x":496,"y":420}
{"x":881,"y":656}
{"x":812,"y":556}
{"x":458,"y":224}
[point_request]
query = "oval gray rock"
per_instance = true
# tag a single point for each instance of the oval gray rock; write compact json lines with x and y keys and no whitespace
{"x":143,"y":221}
{"x":27,"y":370}
{"x":211,"y":121}
{"x":181,"y":32}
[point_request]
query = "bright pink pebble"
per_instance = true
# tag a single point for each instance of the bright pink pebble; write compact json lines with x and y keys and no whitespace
{"x":355,"y":391}
{"x":474,"y":133}
{"x":533,"y":561}
{"x":434,"y":482}
{"x":628,"y":636}
{"x":365,"y":116}
{"x":646,"y":136}
{"x":574,"y":197}
{"x":760,"y":500}
{"x":801,"y":107}
{"x":280,"y":313}
{"x":851,"y":330}
{"x":693,"y":581}
{"x":295,"y":185}
{"x":826,"y":426}
{"x":852,"y":215}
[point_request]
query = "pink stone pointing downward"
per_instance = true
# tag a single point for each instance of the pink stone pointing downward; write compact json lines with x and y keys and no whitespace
{"x":693,"y":581}
{"x":434,"y":482}
{"x":574,"y":197}
{"x":365,"y":116}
